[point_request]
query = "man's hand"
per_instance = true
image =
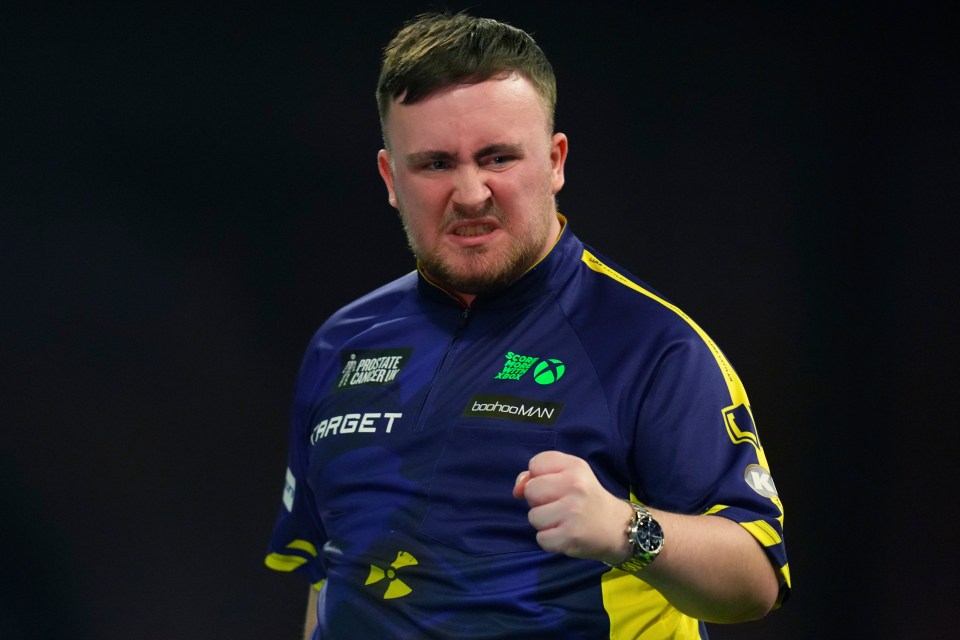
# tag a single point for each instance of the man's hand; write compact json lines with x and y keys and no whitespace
{"x":710,"y":567}
{"x":571,"y":511}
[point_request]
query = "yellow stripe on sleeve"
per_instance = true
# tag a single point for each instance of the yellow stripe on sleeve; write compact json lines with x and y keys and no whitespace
{"x":279,"y":562}
{"x":785,"y":570}
{"x":738,"y":394}
{"x":763,"y":532}
{"x":283,"y":562}
{"x":303,"y":545}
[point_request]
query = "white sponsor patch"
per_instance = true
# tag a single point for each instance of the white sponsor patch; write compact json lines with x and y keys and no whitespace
{"x":354,"y":423}
{"x":760,"y":481}
{"x":378,"y":367}
{"x":289,"y":490}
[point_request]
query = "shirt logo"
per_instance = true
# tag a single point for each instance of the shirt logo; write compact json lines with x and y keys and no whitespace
{"x":354,"y":423}
{"x":396,"y":588}
{"x":548,"y":371}
{"x":371,"y":367}
{"x":760,"y":481}
{"x":289,"y":490}
{"x":512,"y":408}
{"x":740,"y":425}
{"x":516,"y":366}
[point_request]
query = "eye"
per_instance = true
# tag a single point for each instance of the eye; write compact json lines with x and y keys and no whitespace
{"x":437,"y":165}
{"x":500,"y":161}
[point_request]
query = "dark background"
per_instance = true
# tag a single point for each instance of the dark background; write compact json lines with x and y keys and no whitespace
{"x":186,"y":193}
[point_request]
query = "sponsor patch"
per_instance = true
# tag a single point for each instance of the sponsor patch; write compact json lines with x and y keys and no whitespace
{"x":515,"y":366}
{"x":354,"y":423}
{"x":370,"y":367}
{"x":760,"y":480}
{"x":289,"y":490}
{"x":512,"y":408}
{"x":740,"y":425}
{"x":547,"y":371}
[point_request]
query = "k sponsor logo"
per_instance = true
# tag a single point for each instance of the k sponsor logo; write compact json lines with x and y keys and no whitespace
{"x":513,"y":408}
{"x":760,"y":480}
{"x":370,"y":367}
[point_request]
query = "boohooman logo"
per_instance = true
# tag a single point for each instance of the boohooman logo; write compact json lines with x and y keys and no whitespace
{"x":503,"y":407}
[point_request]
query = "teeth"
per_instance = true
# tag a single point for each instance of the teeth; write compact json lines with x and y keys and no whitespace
{"x":473,"y":230}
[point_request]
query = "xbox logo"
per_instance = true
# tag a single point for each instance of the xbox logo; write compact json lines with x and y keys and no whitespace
{"x":548,"y":371}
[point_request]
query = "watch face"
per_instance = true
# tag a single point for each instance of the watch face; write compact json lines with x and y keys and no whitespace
{"x":649,"y":536}
{"x":646,"y":539}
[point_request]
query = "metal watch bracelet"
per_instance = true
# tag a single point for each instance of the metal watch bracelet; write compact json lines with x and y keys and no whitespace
{"x":642,"y":525}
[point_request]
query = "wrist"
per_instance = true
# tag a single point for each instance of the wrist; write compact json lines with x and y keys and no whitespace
{"x":643,"y":540}
{"x":619,"y":549}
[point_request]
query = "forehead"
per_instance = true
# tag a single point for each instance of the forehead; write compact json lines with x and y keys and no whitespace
{"x":499,"y":110}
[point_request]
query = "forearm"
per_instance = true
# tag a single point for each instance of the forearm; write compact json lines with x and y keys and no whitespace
{"x":310,"y":622}
{"x":712,"y":569}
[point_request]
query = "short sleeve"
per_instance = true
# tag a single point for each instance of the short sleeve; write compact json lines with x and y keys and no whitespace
{"x":298,"y":535}
{"x":697,"y":450}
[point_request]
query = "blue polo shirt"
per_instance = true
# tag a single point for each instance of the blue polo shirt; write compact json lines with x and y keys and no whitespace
{"x":413,"y":416}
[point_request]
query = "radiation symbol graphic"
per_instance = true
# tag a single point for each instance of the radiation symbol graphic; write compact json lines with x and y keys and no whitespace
{"x":396,"y":588}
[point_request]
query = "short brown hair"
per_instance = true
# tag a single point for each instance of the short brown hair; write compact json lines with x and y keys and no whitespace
{"x":435,"y":50}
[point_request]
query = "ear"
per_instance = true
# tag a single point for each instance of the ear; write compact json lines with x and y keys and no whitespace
{"x":558,"y":156}
{"x":386,"y":172}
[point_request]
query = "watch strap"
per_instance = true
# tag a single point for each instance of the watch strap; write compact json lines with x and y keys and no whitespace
{"x":641,"y":525}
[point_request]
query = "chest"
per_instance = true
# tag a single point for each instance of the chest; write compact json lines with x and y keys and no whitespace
{"x":427,"y":422}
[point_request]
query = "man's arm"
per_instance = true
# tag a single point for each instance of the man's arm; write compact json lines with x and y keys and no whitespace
{"x":310,"y":623}
{"x":710,"y":568}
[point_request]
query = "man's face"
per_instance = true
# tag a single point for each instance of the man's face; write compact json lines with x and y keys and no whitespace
{"x":473,"y":171}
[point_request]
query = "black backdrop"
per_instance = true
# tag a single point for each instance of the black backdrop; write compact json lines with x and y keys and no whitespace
{"x":187,"y":192}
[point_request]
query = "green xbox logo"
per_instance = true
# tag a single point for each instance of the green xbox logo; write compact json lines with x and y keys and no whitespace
{"x":548,"y":371}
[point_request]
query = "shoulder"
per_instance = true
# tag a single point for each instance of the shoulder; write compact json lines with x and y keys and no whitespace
{"x":387,"y":301}
{"x":621,"y":315}
{"x":614,"y":312}
{"x":605,"y":288}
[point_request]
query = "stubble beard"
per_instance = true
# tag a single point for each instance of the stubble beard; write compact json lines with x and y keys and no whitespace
{"x":480,"y":270}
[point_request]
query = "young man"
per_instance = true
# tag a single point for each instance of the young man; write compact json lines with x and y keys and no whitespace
{"x":519,"y":440}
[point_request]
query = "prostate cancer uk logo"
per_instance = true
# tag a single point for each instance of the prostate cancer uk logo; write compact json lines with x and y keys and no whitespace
{"x":370,"y":367}
{"x":546,"y":371}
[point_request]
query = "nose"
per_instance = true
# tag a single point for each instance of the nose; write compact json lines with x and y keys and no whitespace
{"x":470,"y":189}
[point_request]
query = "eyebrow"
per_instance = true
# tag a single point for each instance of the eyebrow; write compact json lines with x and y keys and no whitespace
{"x":423,"y":157}
{"x":430,"y":155}
{"x":499,"y":149}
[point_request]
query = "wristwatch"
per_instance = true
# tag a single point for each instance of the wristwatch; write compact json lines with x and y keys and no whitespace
{"x":645,"y":536}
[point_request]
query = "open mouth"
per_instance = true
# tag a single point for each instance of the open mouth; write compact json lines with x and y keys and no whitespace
{"x":473,"y":230}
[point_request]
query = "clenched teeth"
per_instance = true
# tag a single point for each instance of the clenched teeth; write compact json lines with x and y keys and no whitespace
{"x":473,"y":230}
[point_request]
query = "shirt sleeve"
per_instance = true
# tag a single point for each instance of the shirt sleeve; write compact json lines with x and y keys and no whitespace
{"x":298,"y":535}
{"x":697,"y":450}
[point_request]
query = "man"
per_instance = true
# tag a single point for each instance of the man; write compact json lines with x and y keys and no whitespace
{"x":519,"y":440}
